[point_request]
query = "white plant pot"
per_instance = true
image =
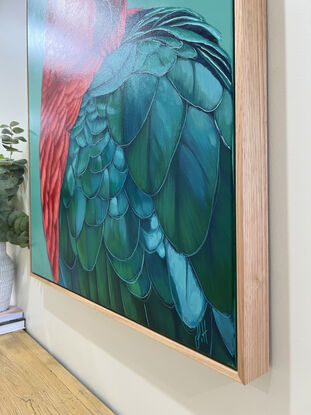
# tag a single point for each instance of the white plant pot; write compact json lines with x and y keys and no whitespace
{"x":6,"y":278}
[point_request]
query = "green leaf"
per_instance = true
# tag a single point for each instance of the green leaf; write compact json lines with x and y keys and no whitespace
{"x":25,"y":223}
{"x":13,"y":123}
{"x":21,"y":138}
{"x":12,"y":191}
{"x":150,"y":155}
{"x":17,"y":223}
{"x":13,"y":216}
{"x":18,"y":130}
{"x":5,"y":137}
{"x":3,"y":126}
{"x":8,"y":183}
{"x":21,"y":161}
{"x":6,"y":131}
{"x":184,"y":204}
{"x":10,"y":141}
{"x":23,"y":245}
{"x":11,"y":149}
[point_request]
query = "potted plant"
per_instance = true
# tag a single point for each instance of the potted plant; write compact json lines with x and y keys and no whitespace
{"x":14,"y":223}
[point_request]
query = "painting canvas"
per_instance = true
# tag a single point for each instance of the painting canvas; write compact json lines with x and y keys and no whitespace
{"x":131,"y":119}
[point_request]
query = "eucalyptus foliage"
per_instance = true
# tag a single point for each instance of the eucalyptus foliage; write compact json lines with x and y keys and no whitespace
{"x":14,"y":224}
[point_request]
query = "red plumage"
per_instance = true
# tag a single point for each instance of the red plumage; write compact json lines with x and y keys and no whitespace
{"x":78,"y":36}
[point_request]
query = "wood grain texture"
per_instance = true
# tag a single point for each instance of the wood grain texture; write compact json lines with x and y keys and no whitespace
{"x":251,"y":189}
{"x":251,"y":205}
{"x":33,"y":382}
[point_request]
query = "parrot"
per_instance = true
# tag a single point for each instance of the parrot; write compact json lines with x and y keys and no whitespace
{"x":137,"y":167}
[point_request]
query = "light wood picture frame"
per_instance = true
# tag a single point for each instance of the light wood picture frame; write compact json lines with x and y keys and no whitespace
{"x":251,"y":206}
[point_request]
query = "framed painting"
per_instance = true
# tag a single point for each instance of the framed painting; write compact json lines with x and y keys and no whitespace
{"x":148,"y":168}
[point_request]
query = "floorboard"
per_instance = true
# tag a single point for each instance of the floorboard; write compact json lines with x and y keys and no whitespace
{"x":33,"y":382}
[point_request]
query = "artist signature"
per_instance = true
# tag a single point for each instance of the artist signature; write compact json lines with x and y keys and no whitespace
{"x":201,"y":336}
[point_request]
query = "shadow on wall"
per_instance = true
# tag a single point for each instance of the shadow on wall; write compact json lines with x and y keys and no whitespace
{"x":193,"y":386}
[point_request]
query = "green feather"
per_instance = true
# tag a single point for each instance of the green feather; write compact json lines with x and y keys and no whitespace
{"x":130,"y":269}
{"x":224,"y":116}
{"x":88,"y":245}
{"x":102,"y":278}
{"x":184,"y":204}
{"x":141,"y":287}
{"x":121,"y":236}
{"x":150,"y":155}
{"x":214,"y":264}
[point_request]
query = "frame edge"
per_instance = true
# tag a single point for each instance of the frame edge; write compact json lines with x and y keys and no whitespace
{"x":251,"y":189}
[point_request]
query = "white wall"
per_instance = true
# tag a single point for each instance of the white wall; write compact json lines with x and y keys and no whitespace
{"x":132,"y":373}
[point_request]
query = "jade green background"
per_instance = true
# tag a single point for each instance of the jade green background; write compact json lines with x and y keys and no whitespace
{"x":36,"y":12}
{"x":218,"y":13}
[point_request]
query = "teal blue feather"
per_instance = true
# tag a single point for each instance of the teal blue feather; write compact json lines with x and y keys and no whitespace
{"x":141,"y":190}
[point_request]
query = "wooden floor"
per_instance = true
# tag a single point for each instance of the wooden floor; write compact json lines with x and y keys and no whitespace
{"x":33,"y":382}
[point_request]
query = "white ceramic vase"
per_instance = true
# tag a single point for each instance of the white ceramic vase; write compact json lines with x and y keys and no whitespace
{"x":6,"y":278}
